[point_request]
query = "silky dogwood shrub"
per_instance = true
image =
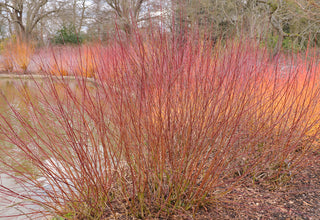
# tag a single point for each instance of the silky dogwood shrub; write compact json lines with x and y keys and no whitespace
{"x":69,"y":61}
{"x":168,"y":124}
{"x":56,"y":61}
{"x":285,"y":120}
{"x":182,"y":107}
{"x":153,"y":139}
{"x":72,"y":168}
{"x":86,"y":62}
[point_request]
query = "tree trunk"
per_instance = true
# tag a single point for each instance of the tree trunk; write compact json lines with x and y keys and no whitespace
{"x":278,"y":46}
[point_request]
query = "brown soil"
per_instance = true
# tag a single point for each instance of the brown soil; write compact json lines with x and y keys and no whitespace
{"x":299,"y":199}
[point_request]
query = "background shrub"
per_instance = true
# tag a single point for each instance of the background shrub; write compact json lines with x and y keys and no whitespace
{"x":67,"y":35}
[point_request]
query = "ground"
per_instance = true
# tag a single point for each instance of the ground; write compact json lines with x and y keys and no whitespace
{"x":299,"y":199}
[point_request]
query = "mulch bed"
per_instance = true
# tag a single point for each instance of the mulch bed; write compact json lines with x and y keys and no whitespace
{"x":299,"y":199}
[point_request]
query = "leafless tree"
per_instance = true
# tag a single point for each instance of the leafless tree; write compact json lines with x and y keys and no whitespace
{"x":75,"y":13}
{"x":25,"y":15}
{"x":131,"y":11}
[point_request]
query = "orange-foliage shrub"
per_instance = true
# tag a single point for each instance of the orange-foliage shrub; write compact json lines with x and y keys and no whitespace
{"x":16,"y":53}
{"x":56,"y":62}
{"x":86,"y":62}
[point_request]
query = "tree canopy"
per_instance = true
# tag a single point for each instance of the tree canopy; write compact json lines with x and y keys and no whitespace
{"x":280,"y":23}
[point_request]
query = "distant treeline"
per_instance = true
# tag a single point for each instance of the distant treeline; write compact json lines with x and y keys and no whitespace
{"x":279,"y":24}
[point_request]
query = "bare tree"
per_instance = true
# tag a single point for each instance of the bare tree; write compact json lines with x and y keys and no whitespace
{"x":75,"y":13}
{"x":309,"y":25}
{"x":24,"y":15}
{"x":127,"y":11}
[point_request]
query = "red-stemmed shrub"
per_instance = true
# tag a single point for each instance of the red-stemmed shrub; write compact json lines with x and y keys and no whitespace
{"x":167,"y":124}
{"x":69,"y":61}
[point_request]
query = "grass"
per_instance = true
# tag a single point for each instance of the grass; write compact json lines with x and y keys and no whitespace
{"x":169,"y":125}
